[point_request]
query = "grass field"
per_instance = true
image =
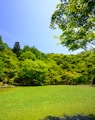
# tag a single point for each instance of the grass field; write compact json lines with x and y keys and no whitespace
{"x":36,"y":103}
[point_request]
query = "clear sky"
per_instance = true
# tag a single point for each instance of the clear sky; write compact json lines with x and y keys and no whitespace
{"x":27,"y":21}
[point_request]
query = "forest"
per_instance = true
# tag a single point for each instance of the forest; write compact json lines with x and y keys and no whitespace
{"x":28,"y":66}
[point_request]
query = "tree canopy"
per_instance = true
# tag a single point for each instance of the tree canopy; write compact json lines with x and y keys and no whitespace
{"x":76,"y":20}
{"x":33,"y":67}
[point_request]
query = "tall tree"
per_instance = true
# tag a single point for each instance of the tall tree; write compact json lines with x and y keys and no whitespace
{"x":16,"y":49}
{"x":76,"y":19}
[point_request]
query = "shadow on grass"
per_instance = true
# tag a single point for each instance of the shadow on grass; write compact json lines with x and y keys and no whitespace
{"x":76,"y":117}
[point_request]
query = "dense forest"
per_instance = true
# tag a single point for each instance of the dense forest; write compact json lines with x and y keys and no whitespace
{"x":29,"y":66}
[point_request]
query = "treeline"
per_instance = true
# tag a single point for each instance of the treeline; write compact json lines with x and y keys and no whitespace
{"x":29,"y":66}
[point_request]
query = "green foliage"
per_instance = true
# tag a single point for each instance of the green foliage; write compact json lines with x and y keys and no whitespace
{"x":38,"y":54}
{"x":27,"y":55}
{"x":3,"y":45}
{"x":32,"y":67}
{"x":16,"y":49}
{"x":76,"y":20}
{"x":10,"y":66}
{"x":58,"y":58}
{"x":26,"y":48}
{"x":54,"y":74}
{"x":1,"y":69}
{"x":33,"y":72}
{"x":70,"y":78}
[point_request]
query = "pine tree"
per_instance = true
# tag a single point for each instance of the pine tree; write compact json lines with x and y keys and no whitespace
{"x":16,"y":49}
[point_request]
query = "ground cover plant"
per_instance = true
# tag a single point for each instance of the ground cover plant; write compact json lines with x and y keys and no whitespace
{"x":37,"y":103}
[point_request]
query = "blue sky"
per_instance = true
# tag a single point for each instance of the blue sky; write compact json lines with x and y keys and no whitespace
{"x":27,"y":21}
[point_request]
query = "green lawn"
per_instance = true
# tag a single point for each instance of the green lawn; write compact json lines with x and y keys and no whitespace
{"x":35,"y":103}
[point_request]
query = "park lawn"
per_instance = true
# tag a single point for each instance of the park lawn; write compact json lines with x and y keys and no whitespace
{"x":35,"y":103}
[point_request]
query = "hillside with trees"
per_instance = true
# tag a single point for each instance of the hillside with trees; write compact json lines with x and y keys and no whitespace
{"x":29,"y":66}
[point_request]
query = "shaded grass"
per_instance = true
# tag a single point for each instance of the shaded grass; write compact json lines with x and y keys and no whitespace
{"x":34,"y":103}
{"x":74,"y":117}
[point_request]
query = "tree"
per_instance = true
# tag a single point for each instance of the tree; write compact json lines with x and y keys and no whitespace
{"x":26,"y":48}
{"x":1,"y":69}
{"x":9,"y":66}
{"x":58,"y":58}
{"x":16,"y":49}
{"x":3,"y":45}
{"x":76,"y":20}
{"x":39,"y":55}
{"x":27,"y":55}
{"x":54,"y":73}
{"x":32,"y":72}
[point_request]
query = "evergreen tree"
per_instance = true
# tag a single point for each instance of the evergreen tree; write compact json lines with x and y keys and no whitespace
{"x":16,"y":49}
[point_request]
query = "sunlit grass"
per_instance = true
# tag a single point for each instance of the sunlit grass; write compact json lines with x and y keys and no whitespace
{"x":34,"y":103}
